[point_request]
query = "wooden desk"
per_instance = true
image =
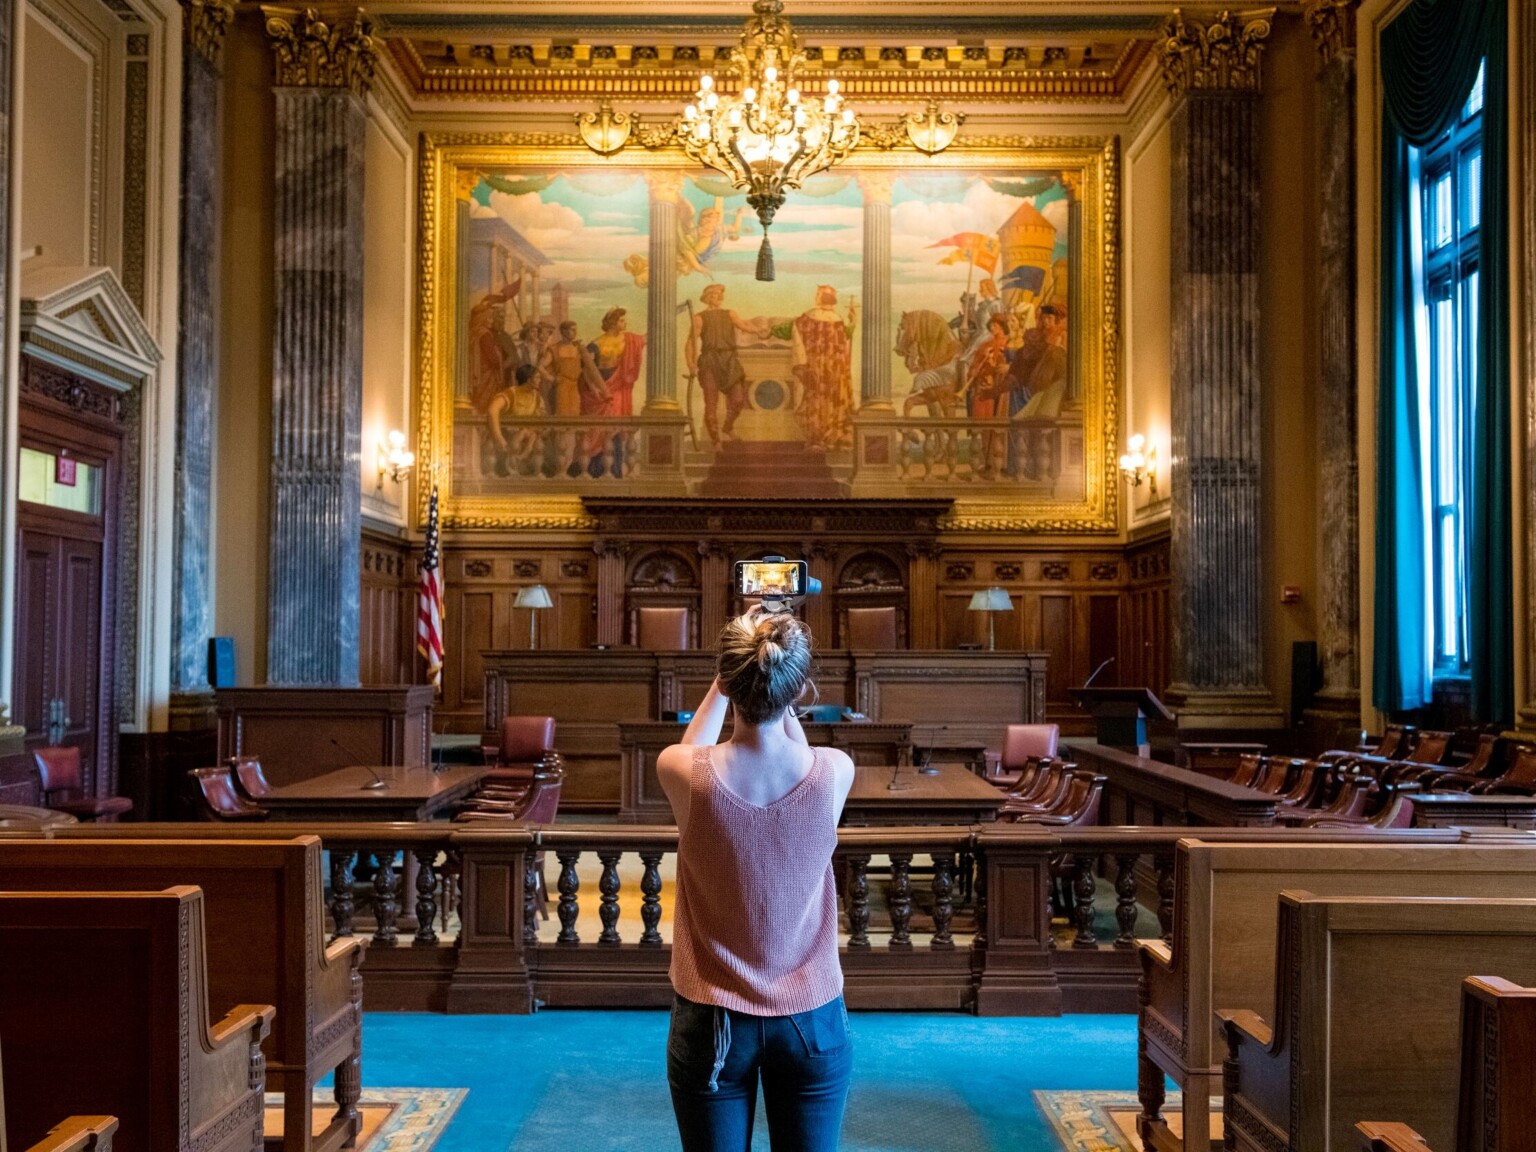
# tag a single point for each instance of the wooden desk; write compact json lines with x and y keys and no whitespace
{"x":643,"y":802}
{"x":954,"y":795}
{"x":590,"y":693}
{"x":414,"y":794}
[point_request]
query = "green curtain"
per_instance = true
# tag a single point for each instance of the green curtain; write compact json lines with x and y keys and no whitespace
{"x":1430,"y":56}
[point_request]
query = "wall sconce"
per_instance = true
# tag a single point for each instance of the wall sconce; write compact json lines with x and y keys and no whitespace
{"x":1140,"y":463}
{"x":991,"y":601}
{"x":395,"y":459}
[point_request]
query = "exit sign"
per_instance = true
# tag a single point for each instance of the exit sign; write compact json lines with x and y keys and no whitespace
{"x":64,"y":471}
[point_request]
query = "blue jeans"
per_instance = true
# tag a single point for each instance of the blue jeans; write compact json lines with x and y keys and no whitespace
{"x":714,"y":1059}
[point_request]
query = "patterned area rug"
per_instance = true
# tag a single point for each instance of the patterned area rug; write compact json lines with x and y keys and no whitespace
{"x":1106,"y":1121}
{"x":394,"y":1119}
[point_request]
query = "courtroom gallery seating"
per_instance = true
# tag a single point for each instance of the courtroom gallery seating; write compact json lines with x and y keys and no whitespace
{"x":1518,"y":779}
{"x":1365,"y":1020}
{"x":265,"y":944}
{"x":71,"y":1134}
{"x":1223,"y":942}
{"x":62,"y":782}
{"x":525,"y":743}
{"x":107,"y":995}
{"x":250,"y":780}
{"x":1021,"y":743}
{"x":1495,"y":1109}
{"x":215,"y":797}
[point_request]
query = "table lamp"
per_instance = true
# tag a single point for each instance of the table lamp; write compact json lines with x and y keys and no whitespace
{"x":991,"y":601}
{"x":533,"y":597}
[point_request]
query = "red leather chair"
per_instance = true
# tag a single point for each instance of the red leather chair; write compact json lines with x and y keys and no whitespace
{"x":538,"y":804}
{"x":213,"y":790}
{"x":250,"y":780}
{"x":1021,"y":742}
{"x":1431,"y":747}
{"x":661,"y":629}
{"x":527,"y":744}
{"x":871,"y":629}
{"x":62,"y":781}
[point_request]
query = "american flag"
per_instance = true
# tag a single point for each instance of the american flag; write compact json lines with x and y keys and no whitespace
{"x":429,"y":608}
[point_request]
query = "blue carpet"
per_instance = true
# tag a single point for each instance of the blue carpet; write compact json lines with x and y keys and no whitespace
{"x":569,"y":1081}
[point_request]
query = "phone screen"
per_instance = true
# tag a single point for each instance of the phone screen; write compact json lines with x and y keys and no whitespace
{"x":770,"y":577}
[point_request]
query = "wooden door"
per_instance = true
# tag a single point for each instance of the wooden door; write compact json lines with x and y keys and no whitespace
{"x":65,"y":583}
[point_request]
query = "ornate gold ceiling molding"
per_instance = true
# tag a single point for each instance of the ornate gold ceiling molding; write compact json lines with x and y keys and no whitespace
{"x":205,"y":22}
{"x":310,"y":53}
{"x":1220,"y":55}
{"x":874,"y":74}
{"x":1333,"y":27}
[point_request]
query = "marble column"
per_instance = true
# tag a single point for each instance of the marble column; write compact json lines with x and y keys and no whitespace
{"x":661,"y":294}
{"x":12,"y":15}
{"x":875,"y":387}
{"x":1338,"y":509}
{"x":1212,"y":72}
{"x":322,"y":77}
{"x":1522,"y":113}
{"x":204,"y":23}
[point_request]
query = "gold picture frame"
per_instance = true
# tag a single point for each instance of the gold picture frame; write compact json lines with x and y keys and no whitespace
{"x":451,"y":164}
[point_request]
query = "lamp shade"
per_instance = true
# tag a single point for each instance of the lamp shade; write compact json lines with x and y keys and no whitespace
{"x":991,"y":600}
{"x":533,"y":596}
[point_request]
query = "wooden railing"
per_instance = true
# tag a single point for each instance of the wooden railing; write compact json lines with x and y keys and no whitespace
{"x":935,"y":918}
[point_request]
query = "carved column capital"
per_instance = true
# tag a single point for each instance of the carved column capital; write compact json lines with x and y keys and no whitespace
{"x":1333,"y":27}
{"x":1221,"y":55}
{"x":204,"y":23}
{"x":310,"y":53}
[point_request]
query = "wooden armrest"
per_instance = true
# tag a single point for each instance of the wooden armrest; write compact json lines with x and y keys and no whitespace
{"x":1376,"y":1136}
{"x":337,"y":950}
{"x":1158,"y":952}
{"x":1250,"y":1024}
{"x":1500,"y":986}
{"x":243,"y":1018}
{"x":79,"y":1134}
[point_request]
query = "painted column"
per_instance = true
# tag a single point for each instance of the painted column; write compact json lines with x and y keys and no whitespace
{"x":1212,"y":71}
{"x":322,"y":77}
{"x":661,"y":294}
{"x":1338,"y":510}
{"x":204,"y":23}
{"x":875,"y":383}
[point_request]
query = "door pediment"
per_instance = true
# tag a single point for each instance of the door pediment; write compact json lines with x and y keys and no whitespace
{"x":82,"y":319}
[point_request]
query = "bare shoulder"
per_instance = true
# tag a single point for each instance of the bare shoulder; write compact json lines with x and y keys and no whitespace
{"x":675,"y":761}
{"x":842,"y":769}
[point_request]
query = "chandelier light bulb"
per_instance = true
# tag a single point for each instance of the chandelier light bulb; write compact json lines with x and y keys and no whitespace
{"x":829,"y":105}
{"x":792,"y":97}
{"x":847,"y":115}
{"x":1136,"y":443}
{"x":690,"y":113}
{"x":770,"y":73}
{"x":712,"y":100}
{"x":706,"y":82}
{"x":749,"y":95}
{"x":734,"y":116}
{"x":832,"y":86}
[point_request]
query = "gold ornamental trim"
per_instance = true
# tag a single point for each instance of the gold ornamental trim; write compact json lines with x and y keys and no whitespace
{"x":1220,"y":56}
{"x":1333,"y":27}
{"x":308,"y":52}
{"x":589,"y":73}
{"x":448,"y":162}
{"x":205,"y":23}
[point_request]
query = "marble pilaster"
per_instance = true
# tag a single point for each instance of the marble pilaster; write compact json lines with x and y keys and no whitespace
{"x":322,"y":76}
{"x":1523,"y":114}
{"x":203,"y":26}
{"x":1338,"y":513}
{"x":875,"y":386}
{"x":11,"y":14}
{"x":1212,"y":71}
{"x":661,"y":294}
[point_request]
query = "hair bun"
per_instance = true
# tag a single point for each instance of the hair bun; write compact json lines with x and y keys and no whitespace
{"x":771,"y":634}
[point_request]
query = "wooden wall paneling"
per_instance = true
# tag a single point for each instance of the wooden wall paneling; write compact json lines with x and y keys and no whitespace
{"x":715,"y":571}
{"x":388,"y":603}
{"x":471,"y":629}
{"x":1104,"y":637}
{"x":611,"y":556}
{"x":1058,"y":637}
{"x":922,"y":594}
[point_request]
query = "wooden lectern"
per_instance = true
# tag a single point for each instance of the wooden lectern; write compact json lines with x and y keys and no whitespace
{"x":1120,"y":715}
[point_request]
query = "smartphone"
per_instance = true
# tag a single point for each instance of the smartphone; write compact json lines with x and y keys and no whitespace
{"x":772,"y":577}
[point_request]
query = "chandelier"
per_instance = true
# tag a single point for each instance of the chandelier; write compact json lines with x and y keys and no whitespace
{"x":766,"y":136}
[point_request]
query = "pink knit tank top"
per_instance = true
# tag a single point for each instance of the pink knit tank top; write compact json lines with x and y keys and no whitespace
{"x":755,"y":924}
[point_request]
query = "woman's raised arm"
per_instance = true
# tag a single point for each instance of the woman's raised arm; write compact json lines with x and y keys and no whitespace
{"x":704,"y":728}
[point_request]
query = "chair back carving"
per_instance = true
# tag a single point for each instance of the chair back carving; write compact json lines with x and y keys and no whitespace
{"x":1021,"y":741}
{"x":525,"y":739}
{"x":870,"y":629}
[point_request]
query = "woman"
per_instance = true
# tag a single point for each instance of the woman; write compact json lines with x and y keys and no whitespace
{"x":754,"y":938}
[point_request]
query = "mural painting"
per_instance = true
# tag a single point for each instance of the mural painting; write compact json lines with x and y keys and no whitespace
{"x":574,"y":371}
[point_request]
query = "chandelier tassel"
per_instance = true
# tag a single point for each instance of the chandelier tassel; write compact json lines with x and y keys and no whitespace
{"x":765,"y":259}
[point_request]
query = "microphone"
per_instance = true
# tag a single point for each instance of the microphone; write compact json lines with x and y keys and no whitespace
{"x":926,"y":768}
{"x":377,"y":781}
{"x":1097,"y":670}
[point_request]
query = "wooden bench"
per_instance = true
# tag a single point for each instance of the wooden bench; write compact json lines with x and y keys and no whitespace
{"x":1366,"y":1018}
{"x":73,"y":1134}
{"x":1223,"y":952}
{"x":1496,"y":1111}
{"x":266,"y":933}
{"x":106,"y":994}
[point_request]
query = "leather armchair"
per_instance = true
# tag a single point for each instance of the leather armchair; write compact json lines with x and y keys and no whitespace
{"x":1021,"y":743}
{"x":527,"y":743}
{"x":539,"y":803}
{"x":1430,"y":746}
{"x":250,"y":780}
{"x":1079,"y":807}
{"x":62,"y":781}
{"x":213,"y":791}
{"x":661,"y":629}
{"x":871,"y":629}
{"x":1519,"y":779}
